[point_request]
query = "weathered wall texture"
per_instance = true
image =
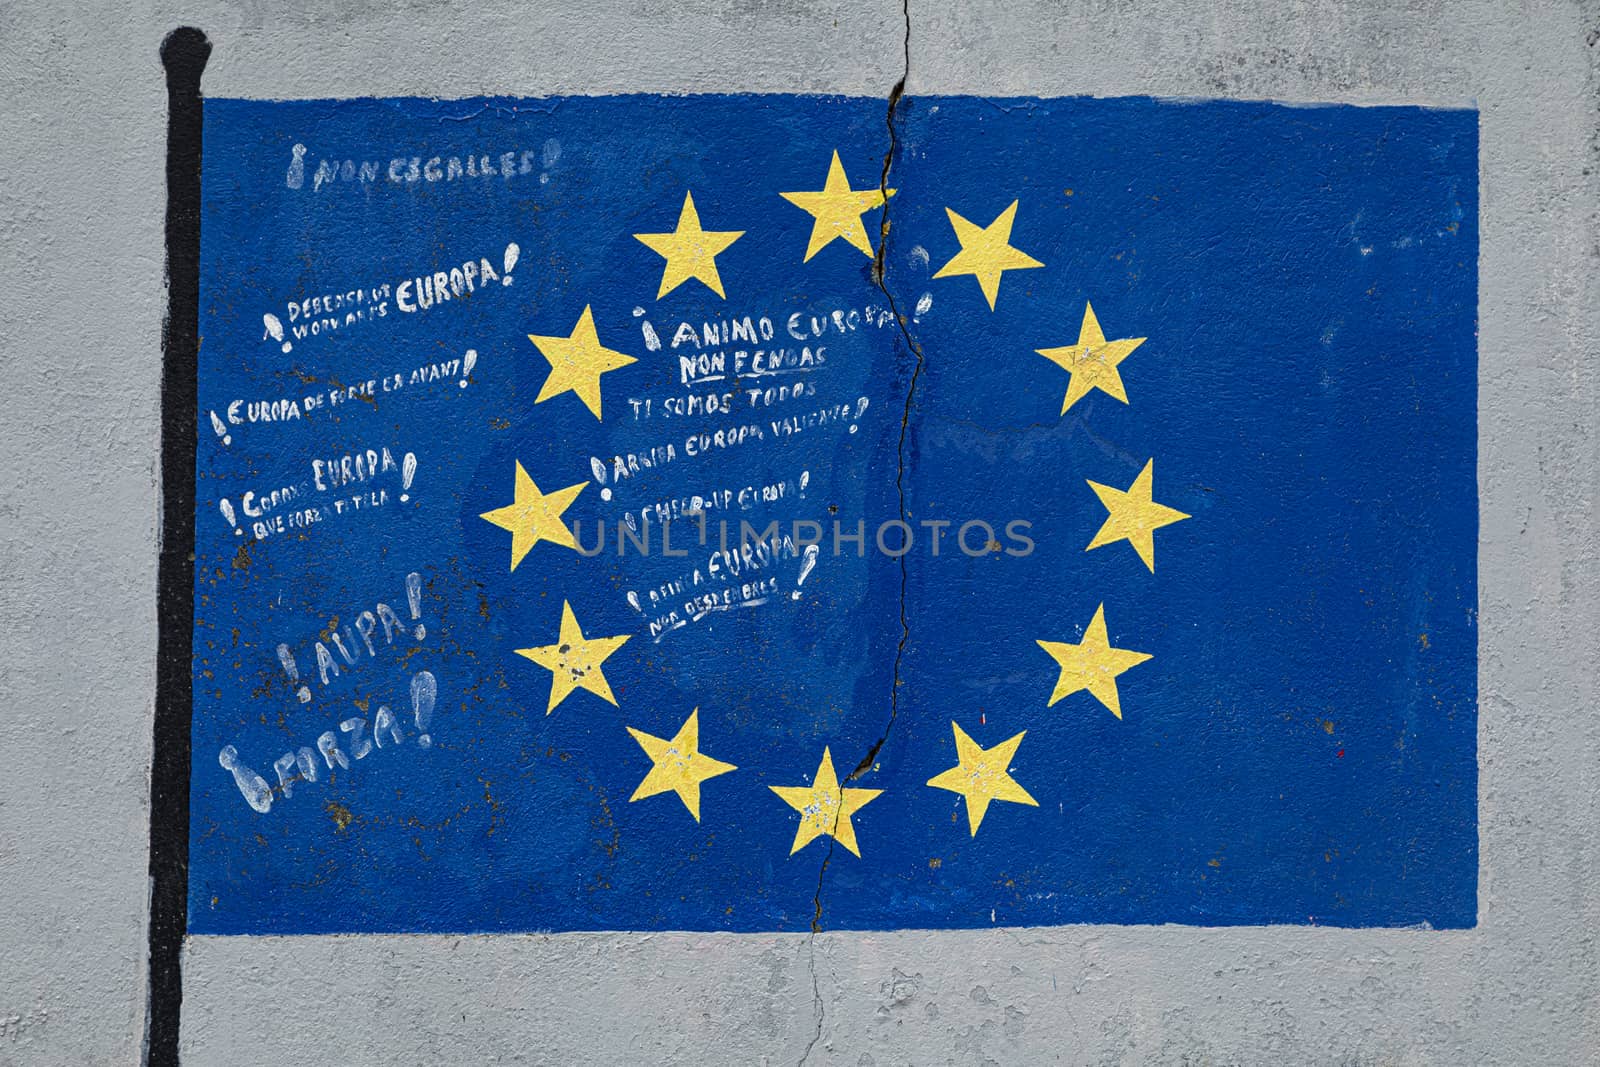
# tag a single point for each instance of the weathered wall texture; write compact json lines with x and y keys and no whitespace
{"x":82,"y":199}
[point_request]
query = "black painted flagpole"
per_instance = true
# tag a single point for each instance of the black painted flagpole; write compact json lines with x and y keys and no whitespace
{"x":183,"y":54}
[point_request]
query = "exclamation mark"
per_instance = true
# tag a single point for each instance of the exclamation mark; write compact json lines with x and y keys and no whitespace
{"x":222,"y":430}
{"x":467,"y":363}
{"x":414,"y":598}
{"x":512,"y":253}
{"x":598,"y":469}
{"x":806,"y":564}
{"x":408,"y":471}
{"x":227,"y":513}
{"x":274,"y":329}
{"x":805,"y":479}
{"x":652,"y":340}
{"x":290,"y":668}
{"x":257,"y":793}
{"x":296,"y":175}
{"x":424,"y":691}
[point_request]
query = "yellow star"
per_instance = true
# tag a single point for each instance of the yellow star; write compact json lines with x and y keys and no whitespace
{"x":576,"y":363}
{"x":1092,"y":664}
{"x":824,"y":808}
{"x":986,"y":252}
{"x":690,"y":252}
{"x":533,"y":516}
{"x":574,"y":660}
{"x":1133,"y":515}
{"x":1092,"y":362}
{"x":980,"y":775}
{"x":837,"y":210}
{"x":680,"y":766}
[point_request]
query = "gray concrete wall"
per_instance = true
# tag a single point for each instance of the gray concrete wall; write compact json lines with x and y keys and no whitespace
{"x":81,"y":201}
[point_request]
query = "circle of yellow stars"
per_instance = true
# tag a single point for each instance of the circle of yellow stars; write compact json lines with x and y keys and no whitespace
{"x":827,"y":806}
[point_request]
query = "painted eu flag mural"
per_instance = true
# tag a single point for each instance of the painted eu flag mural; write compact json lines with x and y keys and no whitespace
{"x":739,"y":513}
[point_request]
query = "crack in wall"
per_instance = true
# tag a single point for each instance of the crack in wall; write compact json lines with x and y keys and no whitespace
{"x":811,"y":948}
{"x":879,"y":277}
{"x":811,"y":962}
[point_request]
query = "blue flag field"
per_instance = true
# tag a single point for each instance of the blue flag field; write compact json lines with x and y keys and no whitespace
{"x":741,"y":513}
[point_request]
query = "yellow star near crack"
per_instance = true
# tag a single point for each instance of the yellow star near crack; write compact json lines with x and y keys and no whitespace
{"x":1131,"y":514}
{"x":825,"y":808}
{"x":574,"y":660}
{"x":1092,"y":664}
{"x":680,"y":766}
{"x":981,"y":775}
{"x":1092,"y":362}
{"x":690,"y":252}
{"x":986,"y":252}
{"x":576,"y":362}
{"x":533,"y":516}
{"x":836,"y":210}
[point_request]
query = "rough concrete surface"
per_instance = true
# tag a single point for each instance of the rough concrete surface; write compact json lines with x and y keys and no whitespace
{"x":81,"y":201}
